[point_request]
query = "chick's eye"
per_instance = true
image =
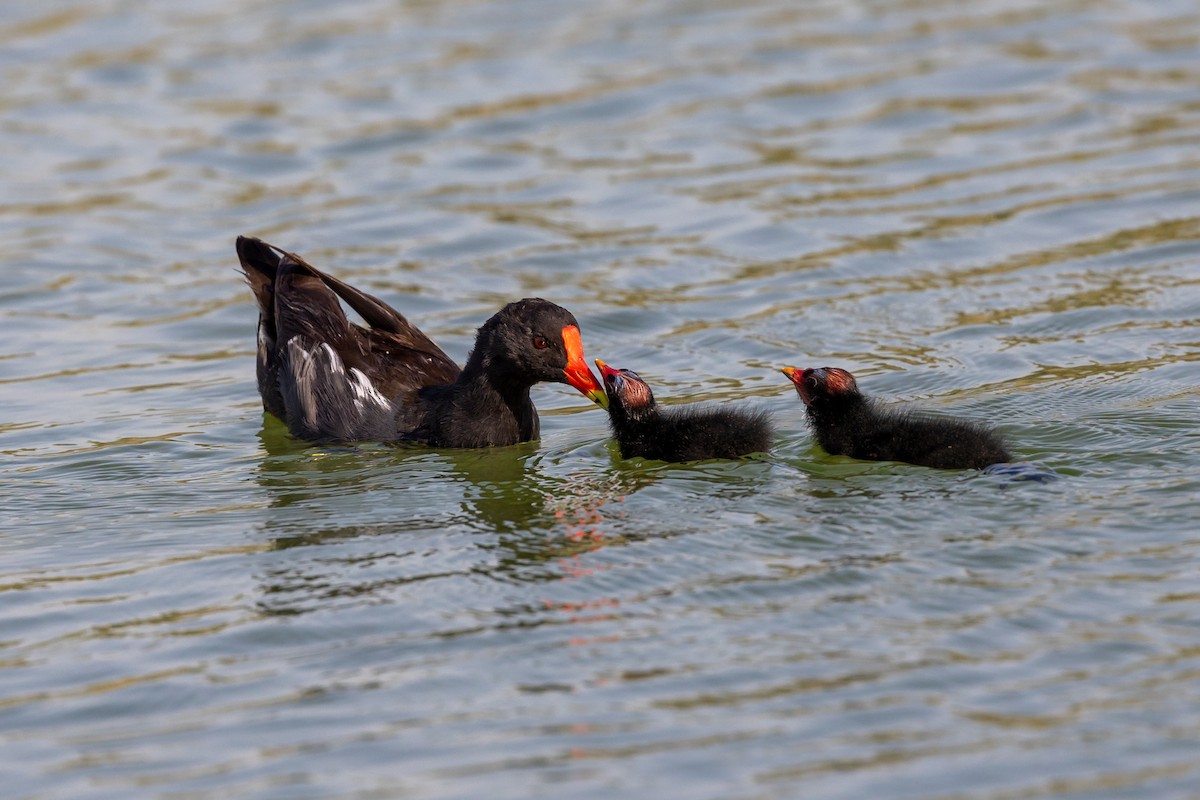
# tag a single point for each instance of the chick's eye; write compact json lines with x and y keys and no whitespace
{"x":811,"y":381}
{"x":540,"y":342}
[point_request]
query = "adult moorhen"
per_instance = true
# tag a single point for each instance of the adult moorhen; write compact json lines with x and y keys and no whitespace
{"x":846,"y":423}
{"x":686,"y":433}
{"x":331,"y":380}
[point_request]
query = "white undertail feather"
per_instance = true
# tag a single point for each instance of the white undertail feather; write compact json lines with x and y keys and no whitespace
{"x":262,"y":345}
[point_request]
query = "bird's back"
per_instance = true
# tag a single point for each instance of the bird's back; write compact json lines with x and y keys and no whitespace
{"x":880,"y":434}
{"x":326,"y":377}
{"x":695,"y":433}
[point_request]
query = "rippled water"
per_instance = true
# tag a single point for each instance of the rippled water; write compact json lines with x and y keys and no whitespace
{"x":991,"y":208}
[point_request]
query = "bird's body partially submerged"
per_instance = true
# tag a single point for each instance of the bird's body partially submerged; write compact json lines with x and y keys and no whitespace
{"x":332,"y":380}
{"x":688,"y":433}
{"x":847,"y":423}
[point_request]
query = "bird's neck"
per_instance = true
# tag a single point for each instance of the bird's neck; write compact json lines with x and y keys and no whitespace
{"x":483,"y":394}
{"x":639,"y":424}
{"x":850,"y":412}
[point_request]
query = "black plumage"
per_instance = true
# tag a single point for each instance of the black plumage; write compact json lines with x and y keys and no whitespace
{"x":847,"y":423}
{"x":682,"y":433}
{"x":332,"y":380}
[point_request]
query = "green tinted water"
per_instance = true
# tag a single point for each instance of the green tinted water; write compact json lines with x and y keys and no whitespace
{"x":988,"y":208}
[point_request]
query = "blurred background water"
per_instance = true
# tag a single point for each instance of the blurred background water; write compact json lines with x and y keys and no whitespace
{"x":988,"y":208}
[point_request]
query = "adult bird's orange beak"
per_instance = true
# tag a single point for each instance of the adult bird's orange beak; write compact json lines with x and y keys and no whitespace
{"x":577,"y":371}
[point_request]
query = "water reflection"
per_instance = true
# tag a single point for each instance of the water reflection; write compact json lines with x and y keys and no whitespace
{"x":512,"y":513}
{"x":990,"y":205}
{"x":577,"y":513}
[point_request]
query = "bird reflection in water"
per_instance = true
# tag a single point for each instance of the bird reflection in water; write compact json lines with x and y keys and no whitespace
{"x":523,"y":520}
{"x":570,"y":516}
{"x":587,"y":512}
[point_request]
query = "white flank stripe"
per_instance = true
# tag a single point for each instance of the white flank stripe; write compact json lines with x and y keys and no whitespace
{"x":335,"y":363}
{"x":302,"y":369}
{"x":365,"y":391}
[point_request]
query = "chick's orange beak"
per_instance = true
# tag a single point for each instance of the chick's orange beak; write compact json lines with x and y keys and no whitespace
{"x":577,"y":372}
{"x":796,"y":377}
{"x":605,"y":370}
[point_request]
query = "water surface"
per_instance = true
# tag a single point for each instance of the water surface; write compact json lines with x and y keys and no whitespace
{"x":990,"y":209}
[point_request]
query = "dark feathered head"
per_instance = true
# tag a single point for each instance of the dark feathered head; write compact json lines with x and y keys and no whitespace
{"x":628,"y":395}
{"x":819,"y":385}
{"x":534,"y":340}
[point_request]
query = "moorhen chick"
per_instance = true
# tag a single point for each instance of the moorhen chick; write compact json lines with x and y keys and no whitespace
{"x":685,"y":433}
{"x":331,"y":380}
{"x":846,"y":423}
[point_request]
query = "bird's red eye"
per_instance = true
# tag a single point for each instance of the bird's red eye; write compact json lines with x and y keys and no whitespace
{"x":540,"y":342}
